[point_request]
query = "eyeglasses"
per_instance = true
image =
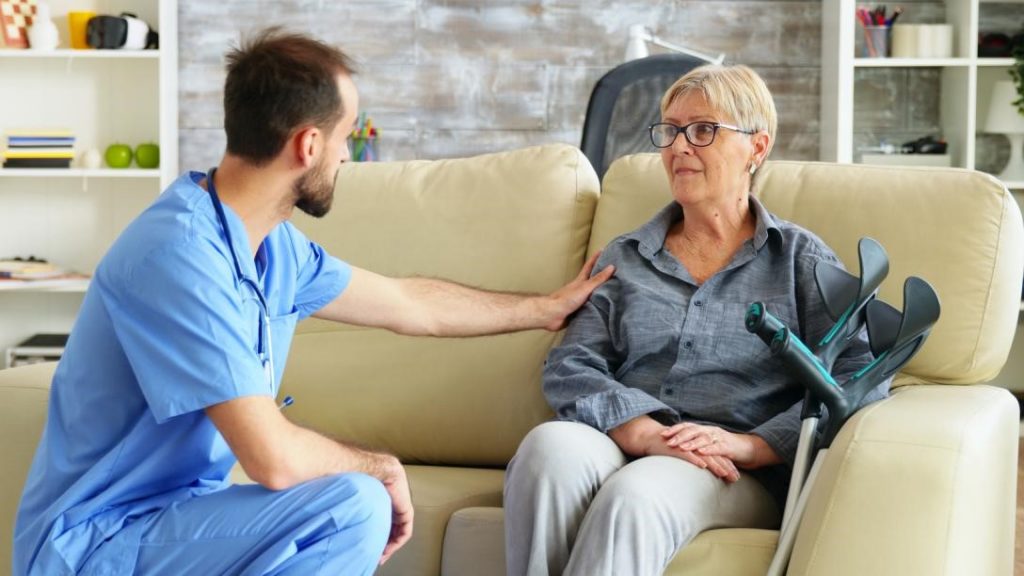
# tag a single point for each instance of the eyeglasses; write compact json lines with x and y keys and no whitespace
{"x":699,"y":134}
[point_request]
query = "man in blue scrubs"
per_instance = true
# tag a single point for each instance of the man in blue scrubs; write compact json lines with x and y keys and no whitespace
{"x":172,"y":368}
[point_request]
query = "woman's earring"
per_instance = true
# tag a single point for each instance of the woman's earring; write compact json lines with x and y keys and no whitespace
{"x":753,"y":168}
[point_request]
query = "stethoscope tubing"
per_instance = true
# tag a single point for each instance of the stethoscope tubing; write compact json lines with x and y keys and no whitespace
{"x":264,"y":328}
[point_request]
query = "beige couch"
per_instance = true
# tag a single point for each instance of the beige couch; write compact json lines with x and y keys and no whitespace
{"x":921,"y":483}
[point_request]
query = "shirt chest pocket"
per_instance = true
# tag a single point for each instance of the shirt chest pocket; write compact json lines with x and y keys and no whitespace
{"x":741,"y":351}
{"x":282,"y":328}
{"x":273,"y":341}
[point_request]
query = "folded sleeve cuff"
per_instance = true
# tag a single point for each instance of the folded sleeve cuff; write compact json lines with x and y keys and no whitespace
{"x":612,"y":408}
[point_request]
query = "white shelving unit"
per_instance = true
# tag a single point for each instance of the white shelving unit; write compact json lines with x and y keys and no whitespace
{"x":966,"y":79}
{"x":71,"y":216}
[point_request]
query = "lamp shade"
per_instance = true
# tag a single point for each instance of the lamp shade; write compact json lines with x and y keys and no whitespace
{"x":636,"y":46}
{"x":1003,"y":116}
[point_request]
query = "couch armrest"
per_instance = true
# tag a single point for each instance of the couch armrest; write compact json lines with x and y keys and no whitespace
{"x":923,"y":482}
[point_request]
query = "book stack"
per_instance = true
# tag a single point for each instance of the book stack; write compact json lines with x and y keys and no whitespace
{"x":38,"y":348}
{"x":39,"y":149}
{"x":29,"y":269}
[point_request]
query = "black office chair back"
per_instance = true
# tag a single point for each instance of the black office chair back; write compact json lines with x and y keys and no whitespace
{"x":625,"y":101}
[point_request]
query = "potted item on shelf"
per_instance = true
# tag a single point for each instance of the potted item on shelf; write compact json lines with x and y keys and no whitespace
{"x":1017,"y":70}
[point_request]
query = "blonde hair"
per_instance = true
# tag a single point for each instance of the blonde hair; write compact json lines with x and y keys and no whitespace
{"x":736,"y":91}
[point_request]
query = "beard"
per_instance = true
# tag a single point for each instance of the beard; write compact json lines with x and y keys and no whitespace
{"x":314,"y":191}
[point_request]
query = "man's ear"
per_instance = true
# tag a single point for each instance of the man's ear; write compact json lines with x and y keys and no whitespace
{"x":307,"y":142}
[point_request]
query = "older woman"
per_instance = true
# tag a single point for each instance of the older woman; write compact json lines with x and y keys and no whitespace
{"x":674,"y":419}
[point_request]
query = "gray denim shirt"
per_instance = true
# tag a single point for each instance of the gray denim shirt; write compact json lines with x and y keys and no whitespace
{"x":651,"y":341}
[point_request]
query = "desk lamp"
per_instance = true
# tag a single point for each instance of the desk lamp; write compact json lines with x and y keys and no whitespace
{"x":1005,"y":118}
{"x":640,"y":35}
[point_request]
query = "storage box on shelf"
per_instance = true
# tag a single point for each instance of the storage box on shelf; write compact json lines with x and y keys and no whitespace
{"x":71,"y":216}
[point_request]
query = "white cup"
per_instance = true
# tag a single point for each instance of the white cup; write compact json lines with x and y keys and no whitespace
{"x":941,"y":40}
{"x":904,"y":40}
{"x":935,"y":41}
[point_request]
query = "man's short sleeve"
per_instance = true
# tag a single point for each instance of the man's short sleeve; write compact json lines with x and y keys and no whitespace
{"x":320,"y":277}
{"x":185,"y":328}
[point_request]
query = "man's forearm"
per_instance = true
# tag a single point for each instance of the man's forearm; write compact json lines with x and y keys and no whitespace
{"x":311,"y":455}
{"x":449,"y":309}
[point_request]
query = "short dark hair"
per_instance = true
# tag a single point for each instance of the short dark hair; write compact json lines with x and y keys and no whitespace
{"x":278,"y":81}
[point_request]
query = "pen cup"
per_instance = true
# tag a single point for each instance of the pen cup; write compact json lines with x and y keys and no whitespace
{"x":876,"y":41}
{"x":364,"y":149}
{"x":77,"y":23}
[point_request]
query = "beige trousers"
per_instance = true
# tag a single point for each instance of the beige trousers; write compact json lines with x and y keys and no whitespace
{"x":576,"y":505}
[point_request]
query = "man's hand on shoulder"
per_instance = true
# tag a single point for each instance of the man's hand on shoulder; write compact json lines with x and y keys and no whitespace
{"x":567,"y":299}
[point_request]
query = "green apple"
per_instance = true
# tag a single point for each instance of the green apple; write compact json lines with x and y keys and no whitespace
{"x":147,"y":155}
{"x":118,"y":156}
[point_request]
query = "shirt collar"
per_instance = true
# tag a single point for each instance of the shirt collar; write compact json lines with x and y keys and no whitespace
{"x":239,"y":235}
{"x":651,"y":236}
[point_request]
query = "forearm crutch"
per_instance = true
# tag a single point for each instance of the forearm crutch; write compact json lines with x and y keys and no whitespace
{"x":894,"y":338}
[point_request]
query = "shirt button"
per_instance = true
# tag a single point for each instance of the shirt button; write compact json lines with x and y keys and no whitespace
{"x":698,"y":303}
{"x":688,"y":344}
{"x":669,"y":391}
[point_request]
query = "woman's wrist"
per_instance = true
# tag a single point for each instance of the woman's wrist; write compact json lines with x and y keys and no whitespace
{"x":761,"y":453}
{"x":633,"y":436}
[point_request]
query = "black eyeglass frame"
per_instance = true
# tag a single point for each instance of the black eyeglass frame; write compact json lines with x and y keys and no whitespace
{"x":684,"y":130}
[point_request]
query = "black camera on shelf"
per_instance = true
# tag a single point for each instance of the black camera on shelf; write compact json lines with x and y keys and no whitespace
{"x":924,"y":145}
{"x":120,"y":32}
{"x":998,"y":45}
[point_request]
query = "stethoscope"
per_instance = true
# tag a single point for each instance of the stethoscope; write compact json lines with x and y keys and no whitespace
{"x":264,"y":347}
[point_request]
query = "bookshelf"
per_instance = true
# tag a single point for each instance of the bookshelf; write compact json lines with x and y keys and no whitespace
{"x":965,"y":79}
{"x":71,"y":216}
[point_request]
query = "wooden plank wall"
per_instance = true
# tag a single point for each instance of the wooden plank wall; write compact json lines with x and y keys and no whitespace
{"x":448,"y":78}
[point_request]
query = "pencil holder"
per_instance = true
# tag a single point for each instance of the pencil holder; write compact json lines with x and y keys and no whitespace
{"x":876,"y":41}
{"x":364,"y":149}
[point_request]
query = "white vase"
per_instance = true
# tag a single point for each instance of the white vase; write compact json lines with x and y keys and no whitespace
{"x":43,"y":33}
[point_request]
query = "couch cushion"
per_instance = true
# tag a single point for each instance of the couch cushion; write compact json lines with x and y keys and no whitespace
{"x":24,"y":394}
{"x":437,"y":493}
{"x":971,"y":251}
{"x":513,"y":221}
{"x":474,"y":542}
{"x":474,"y":545}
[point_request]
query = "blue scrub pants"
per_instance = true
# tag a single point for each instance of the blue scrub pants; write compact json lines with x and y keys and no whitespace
{"x":336,"y":525}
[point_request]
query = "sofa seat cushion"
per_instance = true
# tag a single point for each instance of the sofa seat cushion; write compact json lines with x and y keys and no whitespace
{"x":474,"y":544}
{"x":437,"y":493}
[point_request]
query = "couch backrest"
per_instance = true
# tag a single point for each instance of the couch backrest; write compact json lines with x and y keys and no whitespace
{"x":958,"y":229}
{"x":514,"y":221}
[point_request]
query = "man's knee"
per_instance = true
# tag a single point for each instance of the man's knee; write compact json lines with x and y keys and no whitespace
{"x":368,"y":495}
{"x":360,"y":506}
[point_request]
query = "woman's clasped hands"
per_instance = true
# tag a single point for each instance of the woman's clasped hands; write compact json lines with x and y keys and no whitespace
{"x":719,"y":451}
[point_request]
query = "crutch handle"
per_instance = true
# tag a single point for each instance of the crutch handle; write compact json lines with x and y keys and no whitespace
{"x":759,"y":321}
{"x":806,"y":368}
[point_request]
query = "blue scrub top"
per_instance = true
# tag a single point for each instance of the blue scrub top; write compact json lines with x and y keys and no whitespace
{"x":165,"y":330}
